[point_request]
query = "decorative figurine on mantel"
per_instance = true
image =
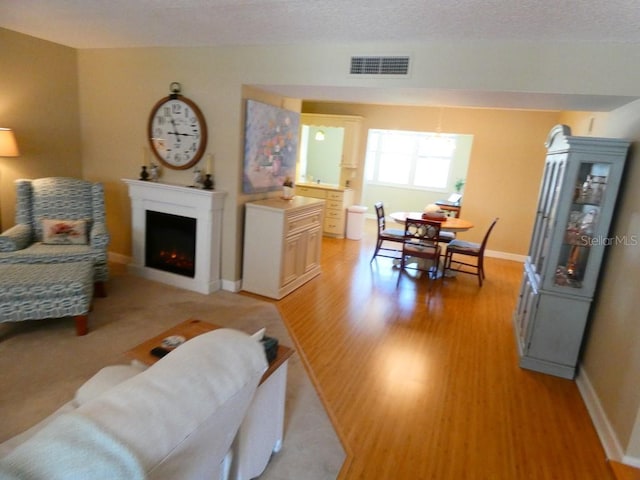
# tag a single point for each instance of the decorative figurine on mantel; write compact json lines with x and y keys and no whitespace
{"x":154,"y":172}
{"x":144,"y":175}
{"x":197,"y":178}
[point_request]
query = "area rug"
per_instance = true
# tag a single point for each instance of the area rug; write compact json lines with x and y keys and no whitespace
{"x":44,"y":362}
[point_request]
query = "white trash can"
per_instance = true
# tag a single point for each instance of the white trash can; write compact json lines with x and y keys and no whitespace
{"x":355,"y":222}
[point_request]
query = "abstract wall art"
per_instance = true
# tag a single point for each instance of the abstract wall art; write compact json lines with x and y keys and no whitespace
{"x":270,"y":147}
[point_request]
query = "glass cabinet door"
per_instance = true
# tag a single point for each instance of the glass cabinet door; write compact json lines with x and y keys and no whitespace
{"x":545,"y":216}
{"x":582,"y":224}
{"x":525,"y":311}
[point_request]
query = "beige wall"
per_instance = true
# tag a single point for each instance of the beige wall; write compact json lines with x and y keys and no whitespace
{"x":584,"y":123}
{"x":507,"y":158}
{"x":117,"y":90}
{"x":39,"y":100}
{"x":612,"y":351}
{"x":119,"y":86}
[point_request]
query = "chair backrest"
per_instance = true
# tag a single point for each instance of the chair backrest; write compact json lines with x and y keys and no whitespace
{"x":455,"y":198}
{"x":486,"y":235}
{"x":58,"y":198}
{"x":451,"y":211}
{"x":423,"y":231}
{"x":380,"y":216}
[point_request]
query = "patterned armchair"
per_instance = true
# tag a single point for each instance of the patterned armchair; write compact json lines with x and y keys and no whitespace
{"x":58,"y":220}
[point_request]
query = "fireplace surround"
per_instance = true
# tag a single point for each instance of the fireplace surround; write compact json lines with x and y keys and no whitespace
{"x":178,"y":206}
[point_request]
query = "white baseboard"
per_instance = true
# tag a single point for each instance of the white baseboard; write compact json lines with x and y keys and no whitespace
{"x":605,"y":431}
{"x":231,"y":285}
{"x":631,"y":461}
{"x":608,"y":437}
{"x":505,"y":255}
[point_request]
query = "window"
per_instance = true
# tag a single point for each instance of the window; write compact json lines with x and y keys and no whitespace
{"x":416,"y":159}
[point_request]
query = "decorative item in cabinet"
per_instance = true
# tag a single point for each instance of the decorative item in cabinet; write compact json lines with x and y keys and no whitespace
{"x":578,"y":239}
{"x":571,"y":230}
{"x":582,"y":229}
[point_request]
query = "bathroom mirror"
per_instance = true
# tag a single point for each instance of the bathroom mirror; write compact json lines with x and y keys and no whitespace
{"x":320,"y":154}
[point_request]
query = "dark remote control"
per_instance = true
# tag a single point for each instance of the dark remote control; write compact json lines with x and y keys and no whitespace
{"x":159,"y":352}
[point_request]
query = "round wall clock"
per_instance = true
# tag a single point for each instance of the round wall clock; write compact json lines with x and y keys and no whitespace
{"x":177,"y":131}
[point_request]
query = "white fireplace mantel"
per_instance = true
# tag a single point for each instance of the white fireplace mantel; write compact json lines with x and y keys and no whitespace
{"x":204,"y":205}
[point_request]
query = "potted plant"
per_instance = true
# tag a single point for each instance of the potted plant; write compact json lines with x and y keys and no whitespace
{"x":459,"y":184}
{"x":287,"y":188}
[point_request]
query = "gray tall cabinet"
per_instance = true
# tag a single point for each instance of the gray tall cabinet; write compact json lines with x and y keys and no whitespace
{"x":571,"y":231}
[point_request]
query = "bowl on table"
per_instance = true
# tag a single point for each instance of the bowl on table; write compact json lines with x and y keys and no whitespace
{"x":436,"y":216}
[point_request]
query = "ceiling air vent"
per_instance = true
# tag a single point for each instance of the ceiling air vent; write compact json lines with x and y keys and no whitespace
{"x":379,"y":65}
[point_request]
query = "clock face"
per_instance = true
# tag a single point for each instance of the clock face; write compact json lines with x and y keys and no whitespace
{"x":177,"y":132}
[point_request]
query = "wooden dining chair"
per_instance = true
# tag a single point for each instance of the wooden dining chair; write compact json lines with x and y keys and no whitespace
{"x":450,"y":210}
{"x":421,"y":243}
{"x":386,"y":235}
{"x":468,"y":249}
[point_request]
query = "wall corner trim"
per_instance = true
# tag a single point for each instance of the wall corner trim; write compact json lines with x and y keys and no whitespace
{"x":605,"y":431}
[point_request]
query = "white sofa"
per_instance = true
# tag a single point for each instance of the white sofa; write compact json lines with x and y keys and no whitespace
{"x":175,"y":420}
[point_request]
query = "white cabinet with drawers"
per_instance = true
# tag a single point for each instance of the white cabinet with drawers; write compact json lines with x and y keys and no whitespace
{"x":282,"y":244}
{"x":337,"y":202}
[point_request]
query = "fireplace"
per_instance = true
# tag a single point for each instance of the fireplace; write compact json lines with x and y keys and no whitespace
{"x":176,"y":234}
{"x":171,"y":243}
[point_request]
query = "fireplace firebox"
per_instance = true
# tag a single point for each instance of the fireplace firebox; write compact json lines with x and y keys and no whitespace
{"x":170,"y":243}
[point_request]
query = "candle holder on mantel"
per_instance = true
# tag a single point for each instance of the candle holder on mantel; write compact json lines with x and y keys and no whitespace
{"x":144,"y":175}
{"x":208,"y":184}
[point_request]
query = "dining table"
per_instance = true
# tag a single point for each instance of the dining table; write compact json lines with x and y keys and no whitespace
{"x":448,"y":224}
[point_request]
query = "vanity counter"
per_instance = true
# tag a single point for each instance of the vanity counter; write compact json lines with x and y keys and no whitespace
{"x":338,"y":199}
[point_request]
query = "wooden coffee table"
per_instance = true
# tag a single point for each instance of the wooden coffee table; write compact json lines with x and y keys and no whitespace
{"x":189,"y":329}
{"x":261,"y":431}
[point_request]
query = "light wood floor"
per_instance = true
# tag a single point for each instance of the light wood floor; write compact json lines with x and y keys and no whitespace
{"x":422,"y":380}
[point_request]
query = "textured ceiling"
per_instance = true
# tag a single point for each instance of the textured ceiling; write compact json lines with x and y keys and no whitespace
{"x":144,"y":23}
{"x":141,"y":23}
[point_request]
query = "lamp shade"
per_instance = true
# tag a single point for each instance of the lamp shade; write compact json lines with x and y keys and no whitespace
{"x":8,"y":144}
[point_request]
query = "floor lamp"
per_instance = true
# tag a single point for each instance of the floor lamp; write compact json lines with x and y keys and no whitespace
{"x":8,"y":148}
